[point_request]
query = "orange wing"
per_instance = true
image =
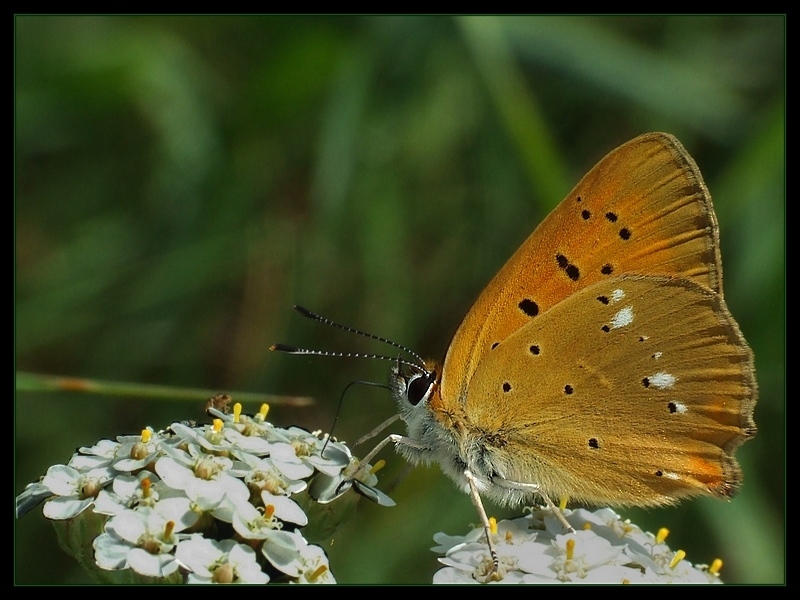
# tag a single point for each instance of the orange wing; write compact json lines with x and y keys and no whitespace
{"x":636,"y":390}
{"x":643,"y":209}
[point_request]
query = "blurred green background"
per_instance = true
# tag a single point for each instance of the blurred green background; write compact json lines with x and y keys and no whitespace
{"x":182,"y":181}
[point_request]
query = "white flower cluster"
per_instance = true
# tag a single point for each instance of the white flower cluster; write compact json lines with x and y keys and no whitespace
{"x":534,"y":549}
{"x":213,"y":503}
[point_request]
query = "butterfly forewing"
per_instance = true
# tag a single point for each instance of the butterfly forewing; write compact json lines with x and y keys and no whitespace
{"x":643,"y":209}
{"x":632,"y":391}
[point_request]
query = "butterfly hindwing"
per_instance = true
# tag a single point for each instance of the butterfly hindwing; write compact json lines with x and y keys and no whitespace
{"x":645,"y":380}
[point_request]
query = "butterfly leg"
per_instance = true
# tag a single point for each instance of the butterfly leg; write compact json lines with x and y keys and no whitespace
{"x":534,"y":488}
{"x":393,"y":438}
{"x":376,"y":431}
{"x":487,"y":528}
{"x":559,"y":515}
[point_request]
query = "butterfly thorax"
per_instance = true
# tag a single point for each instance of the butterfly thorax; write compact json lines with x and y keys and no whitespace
{"x":443,"y":433}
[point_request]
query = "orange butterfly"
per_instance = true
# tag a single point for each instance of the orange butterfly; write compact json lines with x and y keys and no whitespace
{"x":601,"y":362}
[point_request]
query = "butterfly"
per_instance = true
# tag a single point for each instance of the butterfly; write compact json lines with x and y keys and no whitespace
{"x":601,"y":362}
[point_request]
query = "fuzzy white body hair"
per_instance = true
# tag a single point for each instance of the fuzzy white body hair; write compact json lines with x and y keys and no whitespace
{"x":429,"y":442}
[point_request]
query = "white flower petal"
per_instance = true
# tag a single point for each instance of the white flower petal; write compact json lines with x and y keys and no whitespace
{"x":282,"y":549}
{"x":110,"y":553}
{"x":61,"y":508}
{"x":152,"y":565}
{"x":286,"y":509}
{"x":62,"y":480}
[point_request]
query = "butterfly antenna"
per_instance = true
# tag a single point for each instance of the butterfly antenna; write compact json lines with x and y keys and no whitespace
{"x":320,"y":319}
{"x":295,"y":350}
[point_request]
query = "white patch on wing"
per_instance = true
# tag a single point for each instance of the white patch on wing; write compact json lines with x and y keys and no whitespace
{"x":617,"y":295}
{"x":622,"y":318}
{"x":662,"y":381}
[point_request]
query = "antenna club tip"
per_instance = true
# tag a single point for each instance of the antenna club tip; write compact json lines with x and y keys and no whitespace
{"x":304,"y":311}
{"x":282,"y":348}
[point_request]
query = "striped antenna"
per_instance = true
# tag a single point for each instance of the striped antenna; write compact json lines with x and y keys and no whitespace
{"x":295,"y":350}
{"x":420,"y":364}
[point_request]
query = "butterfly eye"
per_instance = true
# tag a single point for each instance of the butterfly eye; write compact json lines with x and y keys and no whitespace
{"x":419,"y":387}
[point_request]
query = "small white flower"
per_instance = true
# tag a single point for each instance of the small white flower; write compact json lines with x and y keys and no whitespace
{"x":129,"y":491}
{"x":292,"y":554}
{"x":138,"y":451}
{"x":204,"y":478}
{"x":314,"y":567}
{"x":75,"y":491}
{"x":222,"y":561}
{"x":144,"y":539}
{"x":309,"y":449}
{"x":252,"y":523}
{"x":327,"y":487}
{"x":264,"y":474}
{"x":208,"y":437}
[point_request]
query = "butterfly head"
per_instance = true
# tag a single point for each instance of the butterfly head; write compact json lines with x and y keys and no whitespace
{"x":432,"y":430}
{"x":413,"y":386}
{"x":416,"y":388}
